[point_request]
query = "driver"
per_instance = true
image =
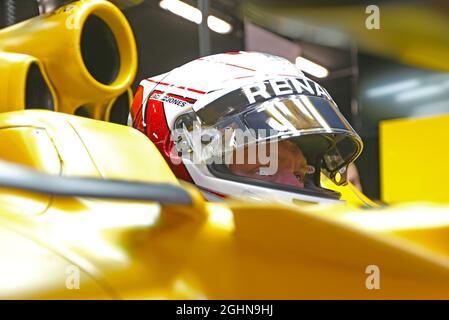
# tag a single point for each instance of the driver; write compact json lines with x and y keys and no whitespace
{"x":247,"y":124}
{"x":291,"y":165}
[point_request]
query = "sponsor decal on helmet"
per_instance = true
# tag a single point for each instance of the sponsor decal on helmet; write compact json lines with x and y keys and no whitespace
{"x":172,"y":98}
{"x":261,"y":91}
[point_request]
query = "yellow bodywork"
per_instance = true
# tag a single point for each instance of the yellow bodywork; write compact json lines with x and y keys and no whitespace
{"x":229,"y":250}
{"x":413,"y":159}
{"x":53,"y":41}
{"x":348,"y":192}
{"x":14,"y":68}
{"x":236,"y":249}
{"x":57,"y":143}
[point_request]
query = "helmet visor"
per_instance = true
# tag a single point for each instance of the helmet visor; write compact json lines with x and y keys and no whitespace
{"x":314,"y":124}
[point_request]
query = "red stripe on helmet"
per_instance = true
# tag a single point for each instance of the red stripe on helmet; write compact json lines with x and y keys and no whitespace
{"x":136,"y":110}
{"x":159,"y":133}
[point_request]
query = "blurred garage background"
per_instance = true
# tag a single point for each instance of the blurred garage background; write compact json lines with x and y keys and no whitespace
{"x":390,"y":68}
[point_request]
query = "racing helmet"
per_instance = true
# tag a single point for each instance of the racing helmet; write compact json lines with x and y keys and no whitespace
{"x":247,"y":124}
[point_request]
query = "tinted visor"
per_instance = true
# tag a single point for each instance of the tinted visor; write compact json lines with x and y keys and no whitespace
{"x":296,"y":113}
{"x":331,"y":143}
{"x":305,"y":115}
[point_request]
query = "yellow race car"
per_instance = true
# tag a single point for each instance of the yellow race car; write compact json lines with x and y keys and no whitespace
{"x":92,"y":210}
{"x":80,"y":219}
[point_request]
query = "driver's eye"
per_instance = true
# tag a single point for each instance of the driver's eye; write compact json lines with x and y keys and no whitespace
{"x":299,"y":176}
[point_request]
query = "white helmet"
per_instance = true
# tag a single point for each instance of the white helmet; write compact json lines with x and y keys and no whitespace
{"x":195,"y":113}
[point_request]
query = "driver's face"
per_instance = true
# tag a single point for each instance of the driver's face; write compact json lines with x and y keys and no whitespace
{"x":292,"y":166}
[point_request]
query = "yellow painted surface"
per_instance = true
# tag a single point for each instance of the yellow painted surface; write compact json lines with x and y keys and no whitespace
{"x":14,"y":69}
{"x":414,"y":154}
{"x":54,"y":40}
{"x":58,"y":143}
{"x":348,"y":193}
{"x":228,"y":250}
{"x":234,"y":250}
{"x":30,"y":146}
{"x":413,"y":33}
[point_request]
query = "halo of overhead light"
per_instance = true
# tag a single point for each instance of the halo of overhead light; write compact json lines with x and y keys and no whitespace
{"x":218,"y":25}
{"x":182,"y":9}
{"x":311,"y":68}
{"x":193,"y":14}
